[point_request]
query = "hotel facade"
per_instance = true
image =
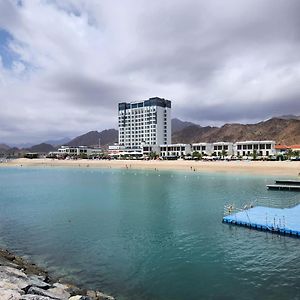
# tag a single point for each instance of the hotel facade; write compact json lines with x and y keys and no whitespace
{"x":145,"y":122}
{"x":217,"y":149}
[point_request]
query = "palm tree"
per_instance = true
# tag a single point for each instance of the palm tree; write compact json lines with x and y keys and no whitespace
{"x":196,"y":155}
{"x":289,"y":153}
{"x":254,"y":155}
{"x":224,"y":153}
{"x":296,"y":153}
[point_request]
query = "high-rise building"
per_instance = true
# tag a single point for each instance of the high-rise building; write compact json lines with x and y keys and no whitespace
{"x":144,"y":122}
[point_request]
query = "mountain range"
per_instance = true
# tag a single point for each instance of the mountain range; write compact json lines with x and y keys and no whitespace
{"x":283,"y":129}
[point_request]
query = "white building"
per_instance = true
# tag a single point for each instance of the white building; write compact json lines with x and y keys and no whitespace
{"x":175,"y":150}
{"x":145,"y":122}
{"x":219,"y":148}
{"x":202,"y":148}
{"x":262,"y":148}
{"x":77,"y":151}
{"x":147,"y":149}
{"x":240,"y":149}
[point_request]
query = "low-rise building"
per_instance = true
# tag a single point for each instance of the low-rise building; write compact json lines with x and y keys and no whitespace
{"x":202,"y":148}
{"x":281,"y":149}
{"x":175,"y":150}
{"x":77,"y":151}
{"x":260,"y":148}
{"x":295,"y":147}
{"x":222,"y":149}
{"x":148,"y":149}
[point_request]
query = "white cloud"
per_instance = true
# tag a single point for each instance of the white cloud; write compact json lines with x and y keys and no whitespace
{"x":74,"y":60}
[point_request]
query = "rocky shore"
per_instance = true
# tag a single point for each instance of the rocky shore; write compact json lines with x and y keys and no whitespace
{"x":21,"y":280}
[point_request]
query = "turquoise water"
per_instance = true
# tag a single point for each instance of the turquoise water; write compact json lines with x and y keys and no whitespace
{"x":148,"y":235}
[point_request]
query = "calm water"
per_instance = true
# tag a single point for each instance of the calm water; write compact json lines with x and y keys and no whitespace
{"x":147,"y":235}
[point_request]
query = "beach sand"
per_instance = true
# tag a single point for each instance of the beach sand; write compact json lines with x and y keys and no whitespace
{"x":276,"y":168}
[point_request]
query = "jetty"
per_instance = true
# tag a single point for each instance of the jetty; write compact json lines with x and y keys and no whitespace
{"x":286,"y":185}
{"x":284,"y":221}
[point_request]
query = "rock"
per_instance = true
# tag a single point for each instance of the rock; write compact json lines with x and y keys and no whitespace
{"x":38,"y":281}
{"x":12,"y":271}
{"x":20,"y":280}
{"x":7,"y":294}
{"x":60,"y":291}
{"x":6,"y":254}
{"x":35,"y":297}
{"x":102,"y":296}
{"x":92,"y":294}
{"x":46,"y":293}
{"x":8,"y":263}
{"x":79,"y":297}
{"x":12,"y":279}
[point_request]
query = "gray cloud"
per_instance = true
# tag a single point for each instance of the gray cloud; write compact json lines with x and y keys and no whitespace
{"x":81,"y":90}
{"x":218,"y":61}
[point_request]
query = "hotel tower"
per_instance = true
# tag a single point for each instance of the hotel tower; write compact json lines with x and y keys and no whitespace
{"x":145,"y":122}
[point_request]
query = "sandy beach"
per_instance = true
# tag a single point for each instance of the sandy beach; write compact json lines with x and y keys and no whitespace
{"x":283,"y":168}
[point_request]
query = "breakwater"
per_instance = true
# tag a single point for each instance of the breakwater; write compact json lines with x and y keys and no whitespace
{"x":21,"y":280}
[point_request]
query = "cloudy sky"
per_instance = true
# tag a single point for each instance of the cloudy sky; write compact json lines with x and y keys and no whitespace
{"x":65,"y":64}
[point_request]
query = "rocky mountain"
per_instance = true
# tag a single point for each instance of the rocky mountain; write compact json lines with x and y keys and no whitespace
{"x":21,"y":145}
{"x":41,"y":148}
{"x":4,"y":147}
{"x":289,"y":117}
{"x":58,"y":142}
{"x":107,"y":137}
{"x":283,"y":131}
{"x":178,"y":125}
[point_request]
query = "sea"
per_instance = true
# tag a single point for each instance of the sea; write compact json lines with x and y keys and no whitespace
{"x":142,"y":234}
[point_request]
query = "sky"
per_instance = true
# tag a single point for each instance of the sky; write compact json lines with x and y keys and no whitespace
{"x":65,"y":64}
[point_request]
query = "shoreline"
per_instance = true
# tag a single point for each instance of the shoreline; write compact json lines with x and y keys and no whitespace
{"x":23,"y":280}
{"x":278,"y":168}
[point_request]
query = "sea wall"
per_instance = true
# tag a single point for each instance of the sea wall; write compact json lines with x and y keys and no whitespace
{"x":21,"y":280}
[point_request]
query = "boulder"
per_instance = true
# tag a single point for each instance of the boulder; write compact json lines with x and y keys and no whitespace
{"x":12,"y":279}
{"x":60,"y":291}
{"x":80,"y":297}
{"x":38,"y":281}
{"x":92,"y":294}
{"x":7,"y":294}
{"x":35,"y":297}
{"x":102,"y":296}
{"x":46,"y":293}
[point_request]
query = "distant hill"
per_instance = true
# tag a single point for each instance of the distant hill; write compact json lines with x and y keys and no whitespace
{"x":177,"y":125}
{"x":289,"y":117}
{"x":59,"y":142}
{"x":283,"y":131}
{"x":21,"y":145}
{"x":4,"y":147}
{"x":107,"y":137}
{"x":41,"y":148}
